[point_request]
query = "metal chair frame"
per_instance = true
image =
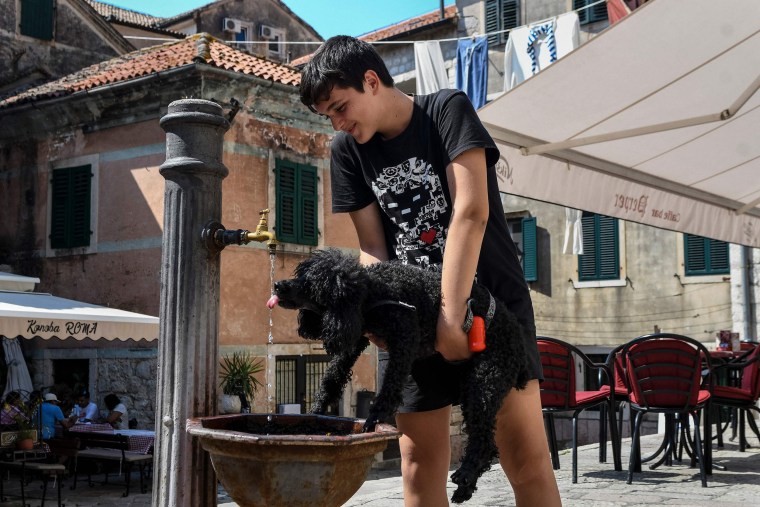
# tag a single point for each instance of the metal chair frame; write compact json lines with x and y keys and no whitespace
{"x":666,"y":373}
{"x":559,"y":375}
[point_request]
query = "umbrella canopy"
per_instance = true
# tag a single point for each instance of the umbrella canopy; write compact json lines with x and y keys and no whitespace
{"x":32,"y":314}
{"x":10,"y":281}
{"x":655,"y":120}
{"x":17,"y":378}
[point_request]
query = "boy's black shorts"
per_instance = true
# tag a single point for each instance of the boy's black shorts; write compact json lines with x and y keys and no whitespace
{"x":434,"y":382}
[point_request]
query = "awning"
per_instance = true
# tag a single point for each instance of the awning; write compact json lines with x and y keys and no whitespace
{"x":10,"y":281}
{"x":32,"y":314}
{"x":656,"y":120}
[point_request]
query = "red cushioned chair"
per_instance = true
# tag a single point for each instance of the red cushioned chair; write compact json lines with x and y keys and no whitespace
{"x":665,"y":375}
{"x":744,"y":395}
{"x":614,"y":362}
{"x":559,"y":394}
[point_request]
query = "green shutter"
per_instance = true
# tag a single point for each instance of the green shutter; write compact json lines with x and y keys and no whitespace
{"x":296,"y":193}
{"x":601,"y":249}
{"x":704,"y":256}
{"x":587,"y":261}
{"x":510,"y":16}
{"x":287,"y":172}
{"x":608,"y":256}
{"x":492,"y":20}
{"x":501,"y":15}
{"x":595,"y":13}
{"x":70,"y":210}
{"x":37,"y":18}
{"x":719,"y":257}
{"x":530,"y":249}
{"x":308,"y":197}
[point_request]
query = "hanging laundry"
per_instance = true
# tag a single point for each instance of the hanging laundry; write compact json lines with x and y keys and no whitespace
{"x":573,"y":232}
{"x":546,"y":34}
{"x":472,"y":69}
{"x":531,"y":48}
{"x":618,"y":9}
{"x":429,"y":68}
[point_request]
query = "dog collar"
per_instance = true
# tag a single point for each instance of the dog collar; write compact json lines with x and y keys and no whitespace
{"x":488,"y":317}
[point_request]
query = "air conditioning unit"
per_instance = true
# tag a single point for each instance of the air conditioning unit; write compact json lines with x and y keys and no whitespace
{"x":232,"y":25}
{"x":268,"y":32}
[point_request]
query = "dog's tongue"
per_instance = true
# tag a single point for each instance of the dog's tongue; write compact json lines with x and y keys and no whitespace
{"x":273,"y":301}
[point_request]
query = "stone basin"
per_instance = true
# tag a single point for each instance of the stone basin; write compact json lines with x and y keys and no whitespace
{"x":290,"y":460}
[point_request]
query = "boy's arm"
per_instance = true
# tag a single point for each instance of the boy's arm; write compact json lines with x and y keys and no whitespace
{"x":369,"y":229}
{"x":468,"y":186}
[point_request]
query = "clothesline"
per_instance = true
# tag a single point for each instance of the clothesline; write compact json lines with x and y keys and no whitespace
{"x":451,"y":39}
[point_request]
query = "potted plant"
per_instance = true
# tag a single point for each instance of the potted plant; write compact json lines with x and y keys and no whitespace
{"x":24,"y":420}
{"x":238,"y":381}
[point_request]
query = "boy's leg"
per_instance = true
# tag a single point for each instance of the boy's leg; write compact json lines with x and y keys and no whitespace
{"x":425,"y":456}
{"x":524,"y":449}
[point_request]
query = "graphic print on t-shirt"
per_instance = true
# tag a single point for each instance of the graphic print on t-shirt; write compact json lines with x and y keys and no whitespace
{"x":412,"y":196}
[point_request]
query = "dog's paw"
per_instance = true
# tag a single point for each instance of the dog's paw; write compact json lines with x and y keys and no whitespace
{"x":463,"y":493}
{"x":466,"y":481}
{"x":369,"y":424}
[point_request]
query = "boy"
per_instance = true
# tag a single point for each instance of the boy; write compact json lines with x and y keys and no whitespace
{"x":416,"y":176}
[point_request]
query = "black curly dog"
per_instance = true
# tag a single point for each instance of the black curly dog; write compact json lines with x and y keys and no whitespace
{"x":340,"y":300}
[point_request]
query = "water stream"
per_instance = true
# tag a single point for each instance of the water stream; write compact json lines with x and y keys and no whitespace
{"x":270,"y":341}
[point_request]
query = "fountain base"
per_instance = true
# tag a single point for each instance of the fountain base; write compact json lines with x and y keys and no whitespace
{"x":293,"y":460}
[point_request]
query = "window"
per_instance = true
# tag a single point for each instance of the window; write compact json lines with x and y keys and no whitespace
{"x":70,"y":206}
{"x":501,"y":15}
{"x":296,"y":193}
{"x":601,"y":257}
{"x":704,"y":256}
{"x":592,"y":15}
{"x":275,"y":48}
{"x":523,"y":232}
{"x":298,"y":379}
{"x":37,"y":18}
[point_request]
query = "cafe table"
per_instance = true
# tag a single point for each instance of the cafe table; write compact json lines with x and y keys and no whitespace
{"x":140,"y":441}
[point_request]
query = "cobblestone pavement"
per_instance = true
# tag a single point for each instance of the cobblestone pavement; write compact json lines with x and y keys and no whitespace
{"x":598,"y":485}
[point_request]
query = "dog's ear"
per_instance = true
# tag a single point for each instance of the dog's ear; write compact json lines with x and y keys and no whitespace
{"x":309,"y":325}
{"x":341,"y":327}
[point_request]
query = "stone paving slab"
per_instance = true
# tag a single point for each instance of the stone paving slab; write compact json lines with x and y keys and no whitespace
{"x":598,"y":485}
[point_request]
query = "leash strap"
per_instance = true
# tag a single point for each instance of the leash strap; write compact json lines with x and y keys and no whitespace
{"x":488,"y":317}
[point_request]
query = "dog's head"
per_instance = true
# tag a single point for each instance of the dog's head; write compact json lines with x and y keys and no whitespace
{"x":329,"y":289}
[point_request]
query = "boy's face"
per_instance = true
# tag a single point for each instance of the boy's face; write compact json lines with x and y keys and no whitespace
{"x":351,"y":111}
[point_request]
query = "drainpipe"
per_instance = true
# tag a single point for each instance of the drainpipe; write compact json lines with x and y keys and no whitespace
{"x":189,"y":312}
{"x":748,"y":332}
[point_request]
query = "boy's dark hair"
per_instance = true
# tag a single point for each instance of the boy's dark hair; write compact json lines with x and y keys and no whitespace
{"x":341,"y":61}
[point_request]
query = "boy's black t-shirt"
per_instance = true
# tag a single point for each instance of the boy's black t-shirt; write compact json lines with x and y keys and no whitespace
{"x":406,"y":175}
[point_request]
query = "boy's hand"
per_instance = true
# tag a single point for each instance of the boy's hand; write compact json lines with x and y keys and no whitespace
{"x":451,"y":342}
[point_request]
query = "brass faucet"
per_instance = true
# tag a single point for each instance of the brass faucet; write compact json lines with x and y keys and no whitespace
{"x":216,"y":237}
{"x":262,"y":232}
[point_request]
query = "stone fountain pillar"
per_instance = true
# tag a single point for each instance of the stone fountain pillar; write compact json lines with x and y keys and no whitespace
{"x":188,"y":343}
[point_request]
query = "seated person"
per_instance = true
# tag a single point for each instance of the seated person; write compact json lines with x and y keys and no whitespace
{"x":117,"y":413}
{"x":84,"y":409}
{"x":52,"y":414}
{"x":12,"y":410}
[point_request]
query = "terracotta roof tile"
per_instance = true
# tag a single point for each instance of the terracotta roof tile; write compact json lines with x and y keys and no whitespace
{"x":397,"y":29}
{"x":126,"y":15}
{"x":410,"y":25}
{"x":155,"y":59}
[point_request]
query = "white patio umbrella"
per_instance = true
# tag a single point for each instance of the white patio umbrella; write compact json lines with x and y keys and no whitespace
{"x":18,"y":378}
{"x":656,"y":120}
